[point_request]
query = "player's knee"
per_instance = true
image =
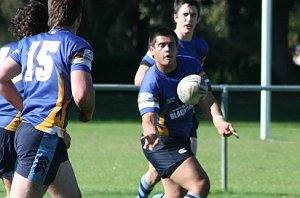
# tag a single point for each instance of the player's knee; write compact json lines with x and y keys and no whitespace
{"x":203,"y":186}
{"x":153,"y":178}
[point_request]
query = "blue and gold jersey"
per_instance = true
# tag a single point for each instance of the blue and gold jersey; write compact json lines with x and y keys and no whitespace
{"x":158,"y":93}
{"x":10,"y":117}
{"x":196,"y":48}
{"x":47,"y":60}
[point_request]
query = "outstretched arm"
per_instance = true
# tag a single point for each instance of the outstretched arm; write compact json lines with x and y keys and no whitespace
{"x":224,"y":128}
{"x":150,"y":134}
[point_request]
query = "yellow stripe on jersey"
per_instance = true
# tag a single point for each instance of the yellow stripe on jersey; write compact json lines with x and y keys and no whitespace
{"x":53,"y":121}
{"x":162,"y":128}
{"x":13,"y":125}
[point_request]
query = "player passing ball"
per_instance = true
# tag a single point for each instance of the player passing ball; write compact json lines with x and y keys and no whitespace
{"x":167,"y":121}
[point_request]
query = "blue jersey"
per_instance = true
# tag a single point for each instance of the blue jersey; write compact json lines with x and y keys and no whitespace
{"x":47,"y":59}
{"x":196,"y":48}
{"x":158,"y":93}
{"x":10,"y":117}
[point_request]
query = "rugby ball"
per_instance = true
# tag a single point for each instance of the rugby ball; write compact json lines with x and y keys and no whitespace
{"x":192,"y":89}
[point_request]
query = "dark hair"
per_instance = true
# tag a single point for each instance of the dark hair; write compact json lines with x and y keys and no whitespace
{"x":29,"y":20}
{"x":163,"y":31}
{"x":179,"y":3}
{"x":63,"y":12}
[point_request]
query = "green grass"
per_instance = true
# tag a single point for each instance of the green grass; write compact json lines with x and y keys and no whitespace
{"x":108,"y":161}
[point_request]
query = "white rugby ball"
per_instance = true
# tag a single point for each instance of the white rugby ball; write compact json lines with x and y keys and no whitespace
{"x":192,"y":89}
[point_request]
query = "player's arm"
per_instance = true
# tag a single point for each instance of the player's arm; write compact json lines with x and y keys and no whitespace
{"x":140,"y":73}
{"x":145,"y":64}
{"x":193,"y":141}
{"x":9,"y":69}
{"x":150,"y":133}
{"x":224,"y":128}
{"x":67,"y":139}
{"x":83,"y":94}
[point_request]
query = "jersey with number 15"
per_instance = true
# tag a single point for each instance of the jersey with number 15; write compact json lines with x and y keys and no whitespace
{"x":47,"y":59}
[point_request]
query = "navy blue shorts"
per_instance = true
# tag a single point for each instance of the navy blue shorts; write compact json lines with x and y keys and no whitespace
{"x":39,"y":154}
{"x":7,"y":153}
{"x":168,"y":154}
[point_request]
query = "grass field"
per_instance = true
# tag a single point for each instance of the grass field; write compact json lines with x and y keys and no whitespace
{"x":108,"y":160}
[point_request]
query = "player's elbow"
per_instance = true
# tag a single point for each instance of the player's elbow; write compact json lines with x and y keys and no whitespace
{"x":86,"y":103}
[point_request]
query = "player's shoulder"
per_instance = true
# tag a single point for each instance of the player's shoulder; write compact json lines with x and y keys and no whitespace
{"x":151,"y":73}
{"x":151,"y":76}
{"x":200,"y":40}
{"x":189,"y":64}
{"x":148,"y":59}
{"x":11,"y":44}
{"x":8,"y":49}
{"x":183,"y":59}
{"x":67,"y":36}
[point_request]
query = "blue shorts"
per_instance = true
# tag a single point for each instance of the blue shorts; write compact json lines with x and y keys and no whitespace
{"x":39,"y":154}
{"x":7,"y":153}
{"x":168,"y":154}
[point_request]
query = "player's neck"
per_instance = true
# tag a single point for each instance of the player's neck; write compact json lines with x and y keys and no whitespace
{"x":65,"y":28}
{"x":184,"y":36}
{"x":167,"y":69}
{"x":73,"y":28}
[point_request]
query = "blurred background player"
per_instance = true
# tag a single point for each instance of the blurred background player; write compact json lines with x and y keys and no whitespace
{"x":28,"y":20}
{"x":296,"y":55}
{"x":186,"y":15}
{"x":56,"y":68}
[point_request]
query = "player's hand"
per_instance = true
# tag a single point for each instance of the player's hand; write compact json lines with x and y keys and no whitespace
{"x":226,"y":129}
{"x":84,"y":116}
{"x":67,"y":139}
{"x":151,"y":140}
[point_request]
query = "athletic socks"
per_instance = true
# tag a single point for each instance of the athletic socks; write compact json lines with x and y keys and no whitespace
{"x":189,"y":195}
{"x":144,"y":189}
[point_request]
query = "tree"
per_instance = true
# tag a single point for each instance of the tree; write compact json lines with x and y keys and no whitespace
{"x":7,"y":10}
{"x":118,"y":31}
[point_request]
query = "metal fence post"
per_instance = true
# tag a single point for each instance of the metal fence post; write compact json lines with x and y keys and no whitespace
{"x":224,"y":107}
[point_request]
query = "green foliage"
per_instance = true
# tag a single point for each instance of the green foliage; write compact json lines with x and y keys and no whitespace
{"x":213,"y":19}
{"x":118,"y":31}
{"x":7,"y":10}
{"x":294,"y":24}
